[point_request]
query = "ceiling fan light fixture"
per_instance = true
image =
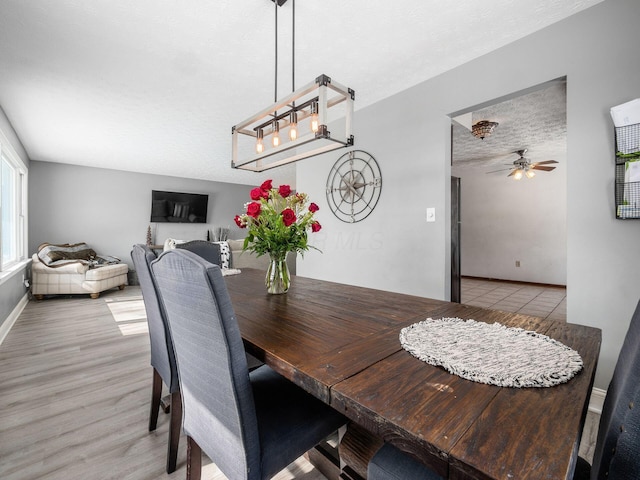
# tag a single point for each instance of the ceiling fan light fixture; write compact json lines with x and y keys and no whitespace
{"x":320,"y":101}
{"x":483,"y":128}
{"x":523,"y":166}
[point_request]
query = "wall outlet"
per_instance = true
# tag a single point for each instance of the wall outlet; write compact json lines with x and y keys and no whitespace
{"x":517,"y":263}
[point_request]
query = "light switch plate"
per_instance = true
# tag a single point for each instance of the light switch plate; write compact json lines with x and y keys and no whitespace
{"x":431,"y":214}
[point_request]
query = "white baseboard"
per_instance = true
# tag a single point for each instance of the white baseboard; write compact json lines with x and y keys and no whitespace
{"x":597,"y":400}
{"x":13,"y":316}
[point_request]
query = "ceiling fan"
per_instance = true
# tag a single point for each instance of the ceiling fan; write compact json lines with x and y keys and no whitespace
{"x":523,"y":166}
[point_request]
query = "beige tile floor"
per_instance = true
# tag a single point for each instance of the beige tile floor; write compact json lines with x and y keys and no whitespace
{"x":544,"y":301}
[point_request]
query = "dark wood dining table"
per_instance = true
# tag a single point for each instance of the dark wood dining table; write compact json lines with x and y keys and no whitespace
{"x":341,"y":343}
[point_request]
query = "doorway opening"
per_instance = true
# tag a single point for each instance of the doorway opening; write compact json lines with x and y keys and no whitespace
{"x":513,"y":189}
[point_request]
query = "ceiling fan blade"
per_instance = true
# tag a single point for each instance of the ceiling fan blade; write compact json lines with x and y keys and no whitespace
{"x":501,"y":170}
{"x":513,"y":173}
{"x":538,"y":167}
{"x":546,"y":162}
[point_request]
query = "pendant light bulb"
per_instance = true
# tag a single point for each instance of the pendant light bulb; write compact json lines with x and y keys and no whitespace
{"x":293,"y":126}
{"x":518,"y":174}
{"x":314,"y":117}
{"x":530,"y":173}
{"x":276,"y":133}
{"x":259,"y":144}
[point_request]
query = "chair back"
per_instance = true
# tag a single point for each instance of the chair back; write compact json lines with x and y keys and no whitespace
{"x":207,"y":250}
{"x":162,"y":356}
{"x":617,"y":448}
{"x":219,"y":411}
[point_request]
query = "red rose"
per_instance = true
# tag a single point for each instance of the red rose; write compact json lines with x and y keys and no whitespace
{"x":315,"y":226}
{"x":266,"y":185}
{"x":284,"y":191}
{"x":256,"y":194}
{"x":239,"y":222}
{"x":313,"y":208}
{"x":253,"y":209}
{"x":288,"y":217}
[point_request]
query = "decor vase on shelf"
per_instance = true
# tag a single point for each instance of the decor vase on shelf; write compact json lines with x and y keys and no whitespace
{"x":277,"y":221}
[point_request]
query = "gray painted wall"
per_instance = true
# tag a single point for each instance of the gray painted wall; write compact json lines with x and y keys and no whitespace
{"x":110,"y":209}
{"x":503,"y":220}
{"x":12,"y":289}
{"x":409,"y":134}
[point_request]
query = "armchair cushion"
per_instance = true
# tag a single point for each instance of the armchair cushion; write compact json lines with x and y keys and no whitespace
{"x":245,"y":259}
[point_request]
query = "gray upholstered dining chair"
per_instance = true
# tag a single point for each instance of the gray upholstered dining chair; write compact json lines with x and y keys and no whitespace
{"x":211,"y":253}
{"x":616,"y":453}
{"x":207,"y":250}
{"x":250,"y":424}
{"x":162,"y":356}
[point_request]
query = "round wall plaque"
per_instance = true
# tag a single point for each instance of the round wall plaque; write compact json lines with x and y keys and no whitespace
{"x":353,"y":186}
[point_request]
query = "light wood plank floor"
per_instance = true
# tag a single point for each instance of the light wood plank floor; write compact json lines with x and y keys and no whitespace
{"x":75,"y":385}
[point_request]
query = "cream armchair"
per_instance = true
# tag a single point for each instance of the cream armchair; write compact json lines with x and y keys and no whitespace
{"x":74,"y":276}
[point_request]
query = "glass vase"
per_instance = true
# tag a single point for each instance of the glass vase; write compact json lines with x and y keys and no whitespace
{"x":278,"y":279}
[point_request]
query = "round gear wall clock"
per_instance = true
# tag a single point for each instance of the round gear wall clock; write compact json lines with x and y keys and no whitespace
{"x":353,"y":186}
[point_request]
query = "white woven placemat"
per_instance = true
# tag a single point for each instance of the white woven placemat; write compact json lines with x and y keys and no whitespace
{"x":491,"y":353}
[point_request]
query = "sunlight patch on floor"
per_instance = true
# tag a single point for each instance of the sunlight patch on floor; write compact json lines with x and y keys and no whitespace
{"x":134,"y":328}
{"x":130,"y":316}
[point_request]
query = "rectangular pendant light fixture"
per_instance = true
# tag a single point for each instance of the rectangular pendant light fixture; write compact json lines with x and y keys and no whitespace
{"x":295,"y":127}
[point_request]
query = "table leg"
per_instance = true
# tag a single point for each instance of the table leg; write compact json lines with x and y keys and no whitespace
{"x":356,"y":448}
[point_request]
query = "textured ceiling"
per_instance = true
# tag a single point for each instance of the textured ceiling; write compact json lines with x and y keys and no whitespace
{"x":536,"y":121}
{"x":155,"y":85}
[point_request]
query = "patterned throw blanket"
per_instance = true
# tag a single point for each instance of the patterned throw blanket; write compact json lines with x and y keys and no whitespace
{"x":59,"y":255}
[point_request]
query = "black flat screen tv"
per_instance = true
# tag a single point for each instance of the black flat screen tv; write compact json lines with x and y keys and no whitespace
{"x":178,"y":207}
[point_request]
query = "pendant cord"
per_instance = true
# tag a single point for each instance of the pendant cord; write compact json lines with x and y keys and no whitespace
{"x":275,"y":95}
{"x":293,"y":46}
{"x":293,"y":51}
